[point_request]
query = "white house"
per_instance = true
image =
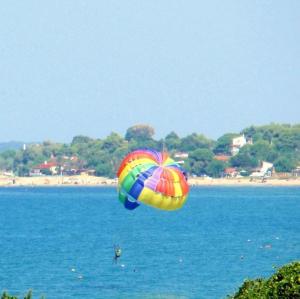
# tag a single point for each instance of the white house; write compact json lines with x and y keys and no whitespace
{"x":237,"y":143}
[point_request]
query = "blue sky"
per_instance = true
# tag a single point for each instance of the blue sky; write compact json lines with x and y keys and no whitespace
{"x":93,"y":67}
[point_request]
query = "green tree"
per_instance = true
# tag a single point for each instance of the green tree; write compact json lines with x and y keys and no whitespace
{"x":9,"y":154}
{"x":244,"y":159}
{"x":112,"y":142}
{"x":215,"y":168}
{"x":104,"y":169}
{"x":223,"y":144}
{"x":141,"y":136}
{"x":288,"y":141}
{"x":198,"y":161}
{"x":139,"y":133}
{"x":249,"y":132}
{"x":262,"y":150}
{"x":7,"y":160}
{"x":149,"y":143}
{"x":23,"y":170}
{"x":283,"y":284}
{"x":172,"y":141}
{"x":195,"y":141}
{"x":118,"y":156}
{"x":285,"y":164}
{"x":81,"y":139}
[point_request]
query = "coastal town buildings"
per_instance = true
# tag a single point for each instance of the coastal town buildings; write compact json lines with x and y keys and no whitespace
{"x":68,"y":166}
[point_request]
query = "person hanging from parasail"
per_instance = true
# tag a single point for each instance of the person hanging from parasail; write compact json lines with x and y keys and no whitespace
{"x":118,"y":252}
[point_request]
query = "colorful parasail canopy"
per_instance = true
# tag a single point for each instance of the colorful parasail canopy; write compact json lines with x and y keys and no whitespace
{"x":153,"y":178}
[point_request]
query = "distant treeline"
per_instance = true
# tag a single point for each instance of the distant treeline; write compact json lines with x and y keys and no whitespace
{"x":10,"y":145}
{"x":275,"y":143}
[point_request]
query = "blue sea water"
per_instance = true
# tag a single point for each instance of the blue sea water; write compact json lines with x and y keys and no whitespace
{"x":59,"y":242}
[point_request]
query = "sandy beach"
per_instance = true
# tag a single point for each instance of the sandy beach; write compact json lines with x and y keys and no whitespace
{"x":78,"y":180}
{"x":86,"y":180}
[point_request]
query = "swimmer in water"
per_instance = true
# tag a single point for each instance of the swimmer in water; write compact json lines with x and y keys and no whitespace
{"x":118,"y":252}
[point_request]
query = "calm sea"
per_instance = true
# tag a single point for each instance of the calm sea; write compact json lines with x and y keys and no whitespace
{"x":59,"y":242}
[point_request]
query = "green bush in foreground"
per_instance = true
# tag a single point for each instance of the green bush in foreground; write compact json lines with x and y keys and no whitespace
{"x":284,"y":284}
{"x":28,"y":296}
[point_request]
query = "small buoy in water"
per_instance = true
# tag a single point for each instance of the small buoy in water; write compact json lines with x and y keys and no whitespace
{"x":73,"y":269}
{"x":242,"y":257}
{"x":180,"y":260}
{"x":122,"y":265}
{"x":277,"y":238}
{"x":80,"y":277}
{"x":248,"y":240}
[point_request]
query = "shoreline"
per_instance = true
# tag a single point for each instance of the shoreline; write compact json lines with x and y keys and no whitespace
{"x":245,"y":182}
{"x":93,"y":181}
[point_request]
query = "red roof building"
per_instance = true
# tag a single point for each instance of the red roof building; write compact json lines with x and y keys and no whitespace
{"x":46,"y":165}
{"x":230,"y":171}
{"x":43,"y":168}
{"x":223,"y":158}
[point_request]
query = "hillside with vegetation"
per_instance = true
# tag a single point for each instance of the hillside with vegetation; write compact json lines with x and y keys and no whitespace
{"x":278,"y":144}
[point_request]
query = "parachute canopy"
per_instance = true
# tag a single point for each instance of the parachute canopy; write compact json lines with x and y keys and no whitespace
{"x":153,"y":178}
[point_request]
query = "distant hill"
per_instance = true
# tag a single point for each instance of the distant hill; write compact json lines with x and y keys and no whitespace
{"x":11,"y":145}
{"x":236,"y":153}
